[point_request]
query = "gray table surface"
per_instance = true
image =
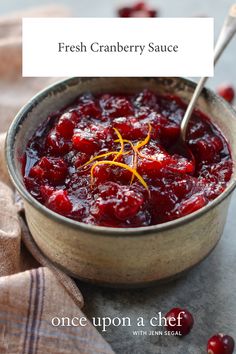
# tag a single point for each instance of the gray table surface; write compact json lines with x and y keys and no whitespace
{"x":209,"y":290}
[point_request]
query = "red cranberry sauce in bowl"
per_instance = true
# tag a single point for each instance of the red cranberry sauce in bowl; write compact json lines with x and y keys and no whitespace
{"x":106,"y":160}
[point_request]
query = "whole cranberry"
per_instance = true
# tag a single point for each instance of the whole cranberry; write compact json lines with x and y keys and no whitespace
{"x":227,"y":92}
{"x":139,"y":9}
{"x":117,"y":106}
{"x":139,"y":6}
{"x":192,"y":204}
{"x":56,"y":144}
{"x":179,"y":320}
{"x":85,"y":142}
{"x":220,"y":344}
{"x":90,"y":109}
{"x":59,"y":202}
{"x":101,"y":174}
{"x":124,"y":11}
{"x":65,"y":126}
{"x":128,"y":204}
{"x":46,"y":191}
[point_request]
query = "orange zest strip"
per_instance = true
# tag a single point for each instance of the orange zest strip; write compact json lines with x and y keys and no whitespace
{"x":122,"y":165}
{"x":146,"y":140}
{"x":148,"y":157}
{"x":117,"y":153}
{"x":136,"y":153}
{"x":135,"y":158}
{"x":98,"y":157}
{"x":140,"y":143}
{"x":121,"y":141}
{"x":125,"y":141}
{"x":135,"y":161}
{"x":138,"y":146}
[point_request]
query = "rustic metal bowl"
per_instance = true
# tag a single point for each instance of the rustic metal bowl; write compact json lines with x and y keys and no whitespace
{"x":112,"y":256}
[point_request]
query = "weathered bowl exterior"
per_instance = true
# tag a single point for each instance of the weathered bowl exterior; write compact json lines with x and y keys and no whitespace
{"x":121,"y":257}
{"x":127,"y":260}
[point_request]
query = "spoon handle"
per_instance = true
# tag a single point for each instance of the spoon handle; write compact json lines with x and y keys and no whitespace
{"x":226,"y":34}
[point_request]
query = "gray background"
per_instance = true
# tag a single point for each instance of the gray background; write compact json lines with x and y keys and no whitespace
{"x":209,"y":290}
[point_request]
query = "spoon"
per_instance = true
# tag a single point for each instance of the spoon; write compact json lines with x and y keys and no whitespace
{"x":227,"y":32}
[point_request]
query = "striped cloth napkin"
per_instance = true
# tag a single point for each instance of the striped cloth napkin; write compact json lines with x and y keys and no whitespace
{"x":32,"y":290}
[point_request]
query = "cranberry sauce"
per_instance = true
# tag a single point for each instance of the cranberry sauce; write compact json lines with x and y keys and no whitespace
{"x":106,"y":160}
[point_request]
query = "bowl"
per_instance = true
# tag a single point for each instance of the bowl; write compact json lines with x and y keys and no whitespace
{"x":120,"y":257}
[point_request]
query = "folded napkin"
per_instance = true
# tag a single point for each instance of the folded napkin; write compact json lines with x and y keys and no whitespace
{"x":32,"y":290}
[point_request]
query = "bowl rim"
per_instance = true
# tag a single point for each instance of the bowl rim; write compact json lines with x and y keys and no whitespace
{"x":89,"y":228}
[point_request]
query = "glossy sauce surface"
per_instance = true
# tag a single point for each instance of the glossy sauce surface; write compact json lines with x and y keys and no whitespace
{"x":107,"y":160}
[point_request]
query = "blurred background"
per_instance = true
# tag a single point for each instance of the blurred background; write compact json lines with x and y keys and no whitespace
{"x":225,"y":70}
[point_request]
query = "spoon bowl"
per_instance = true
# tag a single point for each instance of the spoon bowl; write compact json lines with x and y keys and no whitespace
{"x":227,"y":32}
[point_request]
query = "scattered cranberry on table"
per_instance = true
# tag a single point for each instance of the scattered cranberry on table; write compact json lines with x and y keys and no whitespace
{"x":227,"y":92}
{"x":220,"y":344}
{"x":179,"y":320}
{"x":140,"y":9}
